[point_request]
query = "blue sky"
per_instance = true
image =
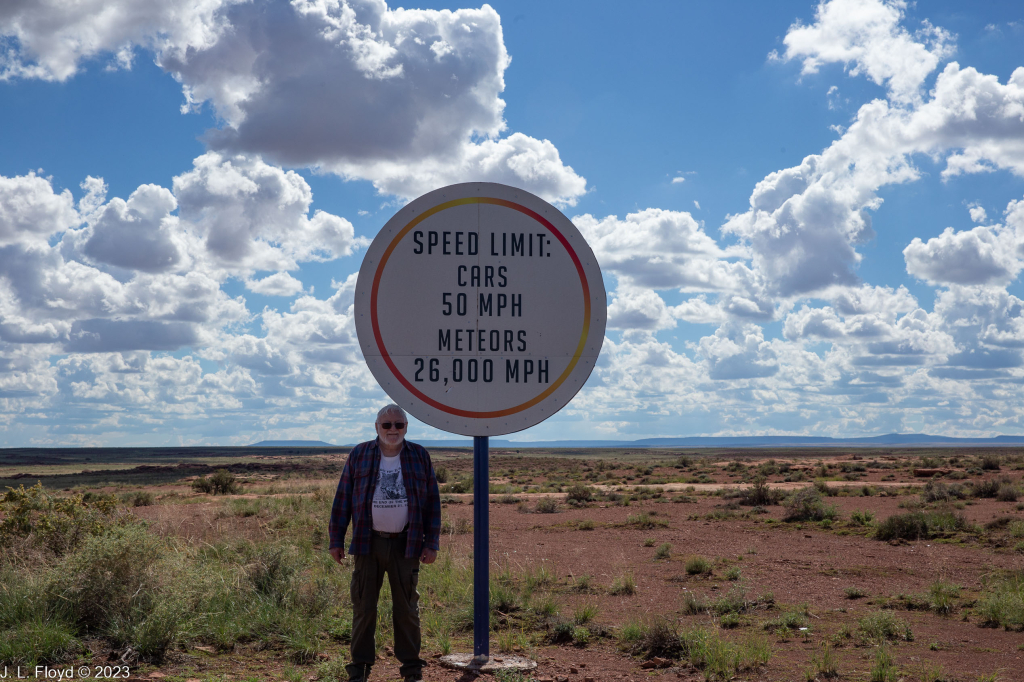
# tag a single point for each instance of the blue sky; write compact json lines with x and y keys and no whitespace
{"x":805,"y":213}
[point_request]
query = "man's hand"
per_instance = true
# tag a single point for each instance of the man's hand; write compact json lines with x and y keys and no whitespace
{"x":338,"y":553}
{"x":428,"y":555}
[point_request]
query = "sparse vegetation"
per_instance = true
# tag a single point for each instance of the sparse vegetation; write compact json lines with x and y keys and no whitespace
{"x":249,"y":574}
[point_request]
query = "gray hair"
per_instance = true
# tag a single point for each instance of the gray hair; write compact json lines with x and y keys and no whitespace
{"x":391,"y":408}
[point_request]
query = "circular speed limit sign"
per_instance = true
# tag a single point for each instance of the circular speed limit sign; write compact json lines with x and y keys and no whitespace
{"x":480,"y":309}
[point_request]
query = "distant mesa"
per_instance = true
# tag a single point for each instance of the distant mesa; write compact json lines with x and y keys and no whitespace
{"x":292,"y":444}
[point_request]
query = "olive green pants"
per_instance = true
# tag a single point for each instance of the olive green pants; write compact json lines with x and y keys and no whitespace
{"x":387,"y":555}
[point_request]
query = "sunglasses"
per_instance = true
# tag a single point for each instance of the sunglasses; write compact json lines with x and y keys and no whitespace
{"x":387,"y":425}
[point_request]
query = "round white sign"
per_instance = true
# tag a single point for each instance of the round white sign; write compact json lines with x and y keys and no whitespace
{"x":480,"y":309}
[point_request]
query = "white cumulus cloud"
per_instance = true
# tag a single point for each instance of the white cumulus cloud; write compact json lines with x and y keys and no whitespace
{"x":277,"y":284}
{"x":867,"y":37}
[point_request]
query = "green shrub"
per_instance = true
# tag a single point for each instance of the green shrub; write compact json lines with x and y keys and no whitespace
{"x":37,"y":642}
{"x":862,"y":518}
{"x":921,"y":525}
{"x":110,"y":578}
{"x":807,"y":505}
{"x":719,"y":659}
{"x":580,"y":636}
{"x":441,"y":473}
{"x":943,"y":596}
{"x":760,"y":494}
{"x":884,"y":668}
{"x":733,"y":601}
{"x":937,"y":491}
{"x":561,"y":632}
{"x":271,"y":571}
{"x":883,"y":626}
{"x":988,"y":488}
{"x":824,"y":664}
{"x":854,"y":593}
{"x":659,"y":638}
{"x":224,"y":483}
{"x":786,"y":622}
{"x":140,"y":498}
{"x":58,"y":524}
{"x":1007,"y":493}
{"x":645,"y":521}
{"x":546,"y":505}
{"x":698,"y":566}
{"x":694,"y":604}
{"x":579,"y":493}
{"x":630,"y":634}
{"x":990,"y":463}
{"x":664,"y":551}
{"x":202,"y":485}
{"x":1002,"y":603}
{"x":624,"y":585}
{"x":584,"y":613}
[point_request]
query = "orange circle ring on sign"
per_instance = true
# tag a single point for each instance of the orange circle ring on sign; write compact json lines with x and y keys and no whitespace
{"x":380,"y":341}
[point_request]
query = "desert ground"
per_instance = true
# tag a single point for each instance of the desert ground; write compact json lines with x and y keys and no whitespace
{"x":625,"y":565}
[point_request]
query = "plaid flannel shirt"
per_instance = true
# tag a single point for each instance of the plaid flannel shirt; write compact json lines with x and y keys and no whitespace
{"x":354,"y":499}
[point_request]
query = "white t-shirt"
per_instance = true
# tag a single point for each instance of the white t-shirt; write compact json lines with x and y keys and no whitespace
{"x":390,"y":504}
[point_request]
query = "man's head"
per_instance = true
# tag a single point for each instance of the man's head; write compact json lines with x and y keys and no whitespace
{"x":391,"y":425}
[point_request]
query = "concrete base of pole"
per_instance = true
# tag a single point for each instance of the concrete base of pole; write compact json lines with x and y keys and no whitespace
{"x":471,"y":663}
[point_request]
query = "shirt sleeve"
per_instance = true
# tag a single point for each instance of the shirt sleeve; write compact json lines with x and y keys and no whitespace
{"x":432,"y":527}
{"x":341,"y":510}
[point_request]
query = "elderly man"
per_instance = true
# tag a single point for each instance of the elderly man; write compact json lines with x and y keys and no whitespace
{"x":389,"y":493}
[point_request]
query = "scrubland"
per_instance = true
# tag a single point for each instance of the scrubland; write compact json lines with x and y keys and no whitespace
{"x":704,"y":565}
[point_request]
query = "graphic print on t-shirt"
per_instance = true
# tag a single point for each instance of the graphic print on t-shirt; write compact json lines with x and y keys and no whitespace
{"x":387,"y":483}
{"x":390,"y":503}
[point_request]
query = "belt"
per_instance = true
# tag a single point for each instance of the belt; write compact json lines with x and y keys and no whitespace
{"x":382,"y":534}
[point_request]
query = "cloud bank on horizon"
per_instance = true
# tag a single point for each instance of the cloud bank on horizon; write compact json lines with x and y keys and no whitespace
{"x":116,"y":325}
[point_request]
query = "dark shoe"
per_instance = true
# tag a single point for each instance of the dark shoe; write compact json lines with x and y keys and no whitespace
{"x":413,"y":678}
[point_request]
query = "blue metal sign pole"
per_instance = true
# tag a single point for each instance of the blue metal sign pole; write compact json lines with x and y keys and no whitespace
{"x":481,"y":553}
